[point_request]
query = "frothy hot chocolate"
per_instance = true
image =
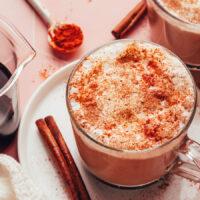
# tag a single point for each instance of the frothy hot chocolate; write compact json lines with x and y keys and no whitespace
{"x":131,"y":95}
{"x":186,"y":10}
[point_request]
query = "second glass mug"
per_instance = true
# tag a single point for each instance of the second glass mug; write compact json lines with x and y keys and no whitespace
{"x":178,"y":35}
{"x":15,"y":53}
{"x":138,"y":168}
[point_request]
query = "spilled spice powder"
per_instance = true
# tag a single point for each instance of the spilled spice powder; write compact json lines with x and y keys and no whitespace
{"x":44,"y":73}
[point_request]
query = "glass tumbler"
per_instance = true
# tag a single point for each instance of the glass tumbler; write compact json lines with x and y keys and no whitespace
{"x":15,"y":53}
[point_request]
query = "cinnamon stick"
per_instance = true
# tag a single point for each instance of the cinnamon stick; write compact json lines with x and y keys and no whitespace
{"x":129,"y":20}
{"x":54,"y":148}
{"x":80,"y":186}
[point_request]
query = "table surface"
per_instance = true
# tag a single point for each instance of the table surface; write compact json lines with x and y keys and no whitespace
{"x":96,"y":18}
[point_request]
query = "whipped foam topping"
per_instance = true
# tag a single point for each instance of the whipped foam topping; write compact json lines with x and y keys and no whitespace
{"x":186,"y":10}
{"x":131,"y":95}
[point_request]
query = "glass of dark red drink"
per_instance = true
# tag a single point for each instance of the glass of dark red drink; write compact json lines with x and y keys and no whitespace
{"x":15,"y":53}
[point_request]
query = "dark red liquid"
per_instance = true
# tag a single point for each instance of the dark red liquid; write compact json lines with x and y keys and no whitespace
{"x":4,"y":75}
{"x":8,"y":118}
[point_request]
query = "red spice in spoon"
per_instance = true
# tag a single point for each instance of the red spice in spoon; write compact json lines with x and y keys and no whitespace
{"x":65,"y":38}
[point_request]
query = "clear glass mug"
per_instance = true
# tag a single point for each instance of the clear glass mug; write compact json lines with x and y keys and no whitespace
{"x":138,"y":168}
{"x":175,"y":34}
{"x":15,"y":53}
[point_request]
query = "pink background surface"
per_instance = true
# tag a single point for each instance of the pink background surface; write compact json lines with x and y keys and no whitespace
{"x":96,"y":18}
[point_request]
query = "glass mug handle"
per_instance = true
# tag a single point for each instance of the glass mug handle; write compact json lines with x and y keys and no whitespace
{"x":187,"y":164}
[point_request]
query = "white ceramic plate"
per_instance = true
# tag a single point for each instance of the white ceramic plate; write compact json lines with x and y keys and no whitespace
{"x":38,"y":164}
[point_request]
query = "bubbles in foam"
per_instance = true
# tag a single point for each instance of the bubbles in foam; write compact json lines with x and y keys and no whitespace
{"x":107,"y":68}
{"x":73,"y":90}
{"x":75,"y":105}
{"x":98,"y":132}
{"x":138,"y":77}
{"x":138,"y":137}
{"x":87,"y":65}
{"x":108,"y":52}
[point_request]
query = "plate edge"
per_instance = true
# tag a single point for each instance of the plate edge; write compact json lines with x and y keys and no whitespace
{"x":30,"y":101}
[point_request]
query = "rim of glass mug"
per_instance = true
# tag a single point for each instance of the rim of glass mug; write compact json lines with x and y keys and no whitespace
{"x":186,"y":126}
{"x":17,"y":40}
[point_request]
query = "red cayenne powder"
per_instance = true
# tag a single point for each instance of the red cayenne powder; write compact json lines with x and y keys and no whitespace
{"x":65,"y":38}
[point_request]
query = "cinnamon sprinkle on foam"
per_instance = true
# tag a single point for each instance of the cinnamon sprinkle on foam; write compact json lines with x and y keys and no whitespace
{"x":131,"y":96}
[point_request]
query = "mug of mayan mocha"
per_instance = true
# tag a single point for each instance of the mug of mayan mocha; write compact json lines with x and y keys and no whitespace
{"x":176,"y":25}
{"x":130,"y":104}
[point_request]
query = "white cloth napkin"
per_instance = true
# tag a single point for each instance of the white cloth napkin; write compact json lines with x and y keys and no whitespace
{"x":14,"y":184}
